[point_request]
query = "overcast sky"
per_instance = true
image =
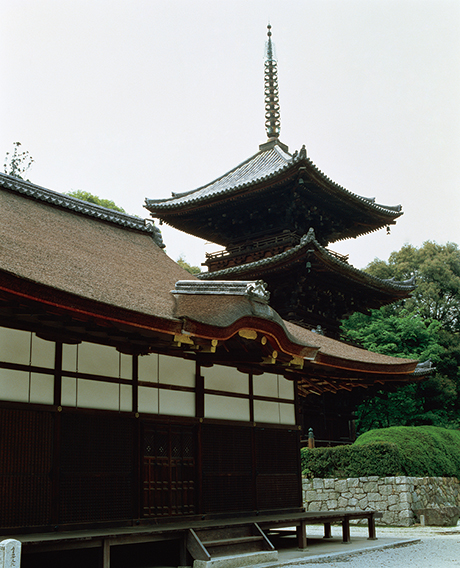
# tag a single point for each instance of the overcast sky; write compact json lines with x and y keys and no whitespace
{"x":135,"y":99}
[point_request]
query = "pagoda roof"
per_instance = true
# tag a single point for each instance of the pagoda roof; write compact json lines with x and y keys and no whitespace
{"x":272,"y":165}
{"x":76,"y":275}
{"x":308,"y":247}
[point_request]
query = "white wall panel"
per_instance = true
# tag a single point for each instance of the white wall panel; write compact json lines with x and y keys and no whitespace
{"x":265,"y":411}
{"x":265,"y":385}
{"x":223,"y":378}
{"x":286,"y":388}
{"x":43,"y":352}
{"x":98,"y":359}
{"x":69,"y":357}
{"x":177,"y":403}
{"x":287,"y":413}
{"x":126,"y":398}
{"x":41,"y":388}
{"x":15,"y":346}
{"x":97,"y":394}
{"x":126,"y":366}
{"x":14,"y":385}
{"x":148,"y":400}
{"x":226,"y":408}
{"x":148,"y":368}
{"x":176,"y":371}
{"x":69,"y":391}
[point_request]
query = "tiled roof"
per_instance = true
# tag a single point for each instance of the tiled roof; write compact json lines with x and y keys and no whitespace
{"x":265,"y":165}
{"x":305,"y":244}
{"x":85,"y":208}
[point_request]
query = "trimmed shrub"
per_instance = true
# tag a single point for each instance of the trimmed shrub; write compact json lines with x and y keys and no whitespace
{"x":382,"y":459}
{"x":427,"y":451}
{"x":415,"y":451}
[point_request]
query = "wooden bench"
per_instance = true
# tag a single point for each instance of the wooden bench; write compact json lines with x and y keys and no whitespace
{"x":301,"y":520}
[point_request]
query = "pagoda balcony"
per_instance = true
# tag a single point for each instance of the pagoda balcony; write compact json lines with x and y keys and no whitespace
{"x":235,"y":255}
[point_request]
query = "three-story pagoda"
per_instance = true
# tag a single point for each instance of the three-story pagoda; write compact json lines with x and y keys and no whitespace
{"x":276,"y":214}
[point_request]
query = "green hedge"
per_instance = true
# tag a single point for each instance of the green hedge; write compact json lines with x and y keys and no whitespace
{"x":422,"y":451}
{"x":382,"y":459}
{"x":428,"y":451}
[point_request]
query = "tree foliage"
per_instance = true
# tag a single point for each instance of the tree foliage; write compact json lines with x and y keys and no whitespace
{"x":424,"y":326}
{"x":17,"y":163}
{"x":437,"y":275}
{"x":188,"y":267}
{"x":90,"y":198}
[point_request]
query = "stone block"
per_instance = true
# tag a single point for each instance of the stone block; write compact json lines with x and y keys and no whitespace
{"x":372,"y":497}
{"x":314,"y":506}
{"x":370,"y":487}
{"x":341,"y":486}
{"x":406,"y":518}
{"x":389,"y":518}
{"x":342,"y":503}
{"x":385,"y":490}
{"x":329,"y":484}
{"x":318,"y":483}
{"x":405,"y":497}
{"x":331,"y":504}
{"x":439,"y":516}
{"x":239,"y":560}
{"x":353,"y":482}
{"x":393,"y":499}
{"x":311,"y":496}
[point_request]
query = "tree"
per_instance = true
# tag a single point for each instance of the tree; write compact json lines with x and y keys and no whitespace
{"x":424,"y":326}
{"x":188,"y":267}
{"x":86,"y":196}
{"x":437,"y":275}
{"x":17,"y":163}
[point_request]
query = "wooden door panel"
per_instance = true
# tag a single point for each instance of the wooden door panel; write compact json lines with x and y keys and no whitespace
{"x":168,"y":471}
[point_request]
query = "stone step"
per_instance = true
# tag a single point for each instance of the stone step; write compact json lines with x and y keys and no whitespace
{"x":238,"y":560}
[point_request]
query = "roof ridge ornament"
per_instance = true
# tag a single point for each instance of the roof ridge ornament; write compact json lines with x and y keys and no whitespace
{"x":252,"y":289}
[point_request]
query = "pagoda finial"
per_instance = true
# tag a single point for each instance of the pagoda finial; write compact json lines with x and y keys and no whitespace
{"x":272,"y":106}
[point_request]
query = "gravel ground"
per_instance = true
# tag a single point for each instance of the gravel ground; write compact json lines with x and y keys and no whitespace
{"x":439,"y":547}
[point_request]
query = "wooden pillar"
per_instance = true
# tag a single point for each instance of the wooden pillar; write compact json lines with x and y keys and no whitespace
{"x":301,"y":530}
{"x":327,"y":530}
{"x":183,"y":556}
{"x":105,"y":553}
{"x":371,"y":526}
{"x":346,"y":530}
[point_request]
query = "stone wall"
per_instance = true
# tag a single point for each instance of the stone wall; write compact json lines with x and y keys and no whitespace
{"x":401,"y":499}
